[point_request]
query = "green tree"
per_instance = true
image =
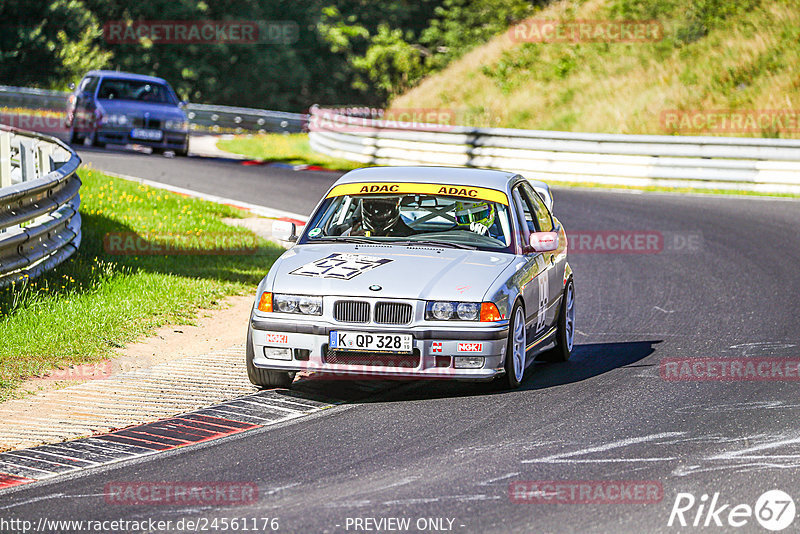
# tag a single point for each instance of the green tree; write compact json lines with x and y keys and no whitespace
{"x":48,"y":44}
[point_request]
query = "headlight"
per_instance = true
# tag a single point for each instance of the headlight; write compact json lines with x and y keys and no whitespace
{"x":468,"y":311}
{"x":115,"y":120}
{"x":452,"y":311}
{"x":461,"y":311}
{"x":297,"y":304}
{"x":176,"y":125}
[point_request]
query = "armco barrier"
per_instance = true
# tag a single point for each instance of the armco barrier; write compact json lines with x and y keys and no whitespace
{"x":40,"y":225}
{"x":213,"y":118}
{"x":754,"y":164}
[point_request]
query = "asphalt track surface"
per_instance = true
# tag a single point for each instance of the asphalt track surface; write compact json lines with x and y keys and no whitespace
{"x":450,"y":450}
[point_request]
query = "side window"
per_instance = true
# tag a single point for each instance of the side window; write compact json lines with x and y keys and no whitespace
{"x":544,"y":222}
{"x":527,"y":214}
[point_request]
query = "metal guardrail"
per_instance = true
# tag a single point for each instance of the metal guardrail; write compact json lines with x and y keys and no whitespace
{"x":213,"y":118}
{"x":40,"y":226}
{"x":754,"y":164}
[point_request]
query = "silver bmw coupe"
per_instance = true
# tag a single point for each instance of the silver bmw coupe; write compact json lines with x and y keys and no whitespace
{"x":415,"y":272}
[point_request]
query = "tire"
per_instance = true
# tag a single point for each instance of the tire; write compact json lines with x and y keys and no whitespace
{"x":95,"y":142}
{"x":158,"y":150}
{"x":74,"y":138}
{"x":565,"y":333}
{"x":264,"y":378}
{"x":183,"y":152}
{"x":515,"y":349}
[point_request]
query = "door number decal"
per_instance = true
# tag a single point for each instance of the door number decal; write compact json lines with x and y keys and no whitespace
{"x":544,"y":297}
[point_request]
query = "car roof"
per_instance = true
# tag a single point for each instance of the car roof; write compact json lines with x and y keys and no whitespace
{"x":125,"y":76}
{"x":431,"y":175}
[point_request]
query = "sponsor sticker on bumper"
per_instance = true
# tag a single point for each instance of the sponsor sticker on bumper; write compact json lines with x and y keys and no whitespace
{"x":470,"y":347}
{"x":277,"y":338}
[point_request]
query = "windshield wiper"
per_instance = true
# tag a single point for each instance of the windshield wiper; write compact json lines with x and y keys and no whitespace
{"x":431,"y":242}
{"x":346,"y":239}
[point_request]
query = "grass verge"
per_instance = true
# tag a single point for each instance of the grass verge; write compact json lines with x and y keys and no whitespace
{"x":102,"y":298}
{"x":292,"y":149}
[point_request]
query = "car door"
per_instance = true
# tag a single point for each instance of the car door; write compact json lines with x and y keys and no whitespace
{"x":533,"y":286}
{"x":83,"y":103}
{"x":554,"y":261}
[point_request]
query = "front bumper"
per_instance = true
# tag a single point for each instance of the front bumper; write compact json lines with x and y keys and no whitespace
{"x":434,"y":350}
{"x":170,"y":140}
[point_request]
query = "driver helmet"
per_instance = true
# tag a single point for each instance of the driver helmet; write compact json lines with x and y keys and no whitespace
{"x":380,"y":214}
{"x":481,"y":212}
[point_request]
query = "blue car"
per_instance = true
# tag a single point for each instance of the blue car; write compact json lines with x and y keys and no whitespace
{"x":124,"y":108}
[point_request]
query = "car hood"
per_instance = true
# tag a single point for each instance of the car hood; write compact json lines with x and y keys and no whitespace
{"x":399,"y":271}
{"x":138,"y":109}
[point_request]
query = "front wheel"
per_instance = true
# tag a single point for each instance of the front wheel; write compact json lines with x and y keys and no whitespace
{"x":95,"y":142}
{"x":264,"y":378}
{"x":515,"y":350}
{"x":74,"y":137}
{"x":565,"y":333}
{"x":183,"y":151}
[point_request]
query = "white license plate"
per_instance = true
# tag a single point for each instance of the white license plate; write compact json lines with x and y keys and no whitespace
{"x":147,"y":135}
{"x":371,"y":341}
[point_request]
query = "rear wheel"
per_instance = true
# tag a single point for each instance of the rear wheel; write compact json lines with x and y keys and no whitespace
{"x":515,"y":350}
{"x":264,"y":378}
{"x":565,"y":333}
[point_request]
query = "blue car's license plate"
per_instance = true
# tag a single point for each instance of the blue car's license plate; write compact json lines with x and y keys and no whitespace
{"x":146,"y":135}
{"x":371,"y":342}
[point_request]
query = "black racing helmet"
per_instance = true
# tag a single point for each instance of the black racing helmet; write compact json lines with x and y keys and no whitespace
{"x":380,"y":214}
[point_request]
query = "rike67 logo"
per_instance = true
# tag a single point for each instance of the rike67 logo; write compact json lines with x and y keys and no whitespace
{"x":774,"y":510}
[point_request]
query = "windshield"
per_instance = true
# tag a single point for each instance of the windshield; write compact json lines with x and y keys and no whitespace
{"x":143,"y":91}
{"x":452,"y":221}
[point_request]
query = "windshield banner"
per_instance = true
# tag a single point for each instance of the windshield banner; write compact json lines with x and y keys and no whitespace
{"x":389,"y":188}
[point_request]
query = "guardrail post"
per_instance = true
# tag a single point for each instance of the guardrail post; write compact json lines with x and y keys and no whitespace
{"x":45,"y":153}
{"x":26,"y":161}
{"x":5,"y":159}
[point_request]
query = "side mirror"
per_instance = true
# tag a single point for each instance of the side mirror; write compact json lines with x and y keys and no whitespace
{"x":542,"y":242}
{"x":284,"y":231}
{"x":182,"y":104}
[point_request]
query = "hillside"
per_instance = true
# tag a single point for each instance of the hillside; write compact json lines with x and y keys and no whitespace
{"x":713,"y":55}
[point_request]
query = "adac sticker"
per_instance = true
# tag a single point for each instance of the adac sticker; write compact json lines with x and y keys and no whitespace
{"x":340,"y":266}
{"x":472,"y":192}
